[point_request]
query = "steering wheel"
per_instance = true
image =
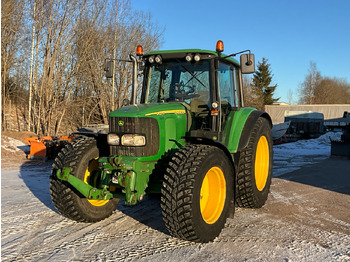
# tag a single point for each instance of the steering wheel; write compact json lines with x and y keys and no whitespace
{"x":182,"y":94}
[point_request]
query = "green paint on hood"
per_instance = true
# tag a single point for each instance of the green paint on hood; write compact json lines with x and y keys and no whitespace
{"x":142,"y":110}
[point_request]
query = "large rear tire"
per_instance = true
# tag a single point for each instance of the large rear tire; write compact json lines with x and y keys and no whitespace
{"x":197,"y":193}
{"x":255,"y":167}
{"x":81,"y":157}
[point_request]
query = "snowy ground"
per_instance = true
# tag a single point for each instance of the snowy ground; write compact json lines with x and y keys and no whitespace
{"x":301,"y":221}
{"x":292,"y":156}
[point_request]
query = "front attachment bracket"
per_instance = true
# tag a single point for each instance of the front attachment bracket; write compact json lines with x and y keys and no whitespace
{"x":86,"y":190}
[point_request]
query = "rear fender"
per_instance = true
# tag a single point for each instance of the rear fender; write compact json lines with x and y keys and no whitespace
{"x":233,"y":128}
{"x":239,"y":124}
{"x":238,"y":128}
{"x":249,"y":125}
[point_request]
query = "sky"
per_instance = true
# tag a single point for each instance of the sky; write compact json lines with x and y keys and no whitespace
{"x":290,"y":34}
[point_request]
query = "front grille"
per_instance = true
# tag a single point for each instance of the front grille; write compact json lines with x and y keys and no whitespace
{"x":135,"y":125}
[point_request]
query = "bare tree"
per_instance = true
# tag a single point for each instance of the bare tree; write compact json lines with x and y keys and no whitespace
{"x":117,"y":41}
{"x":323,"y":90}
{"x":290,"y":97}
{"x":12,"y":24}
{"x":248,"y":94}
{"x":60,"y":72}
{"x":307,"y":88}
{"x":332,"y":91}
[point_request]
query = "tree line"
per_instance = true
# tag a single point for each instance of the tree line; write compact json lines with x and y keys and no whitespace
{"x":317,"y":89}
{"x":53,"y":57}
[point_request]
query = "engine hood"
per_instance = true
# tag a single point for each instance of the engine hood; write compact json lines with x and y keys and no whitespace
{"x":144,"y":110}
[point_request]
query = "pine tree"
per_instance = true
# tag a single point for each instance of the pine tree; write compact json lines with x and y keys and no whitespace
{"x":262,"y":89}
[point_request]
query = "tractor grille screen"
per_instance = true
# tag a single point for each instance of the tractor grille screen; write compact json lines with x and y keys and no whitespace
{"x":135,"y":125}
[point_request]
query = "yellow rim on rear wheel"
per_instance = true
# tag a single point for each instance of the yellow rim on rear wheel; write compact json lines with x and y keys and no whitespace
{"x":93,"y":166}
{"x":262,"y":161}
{"x":213,"y":195}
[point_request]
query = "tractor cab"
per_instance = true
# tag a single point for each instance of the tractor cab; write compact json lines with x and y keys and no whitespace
{"x":206,"y":83}
{"x":177,"y":80}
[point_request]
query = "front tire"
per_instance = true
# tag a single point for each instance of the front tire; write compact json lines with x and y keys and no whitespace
{"x":81,"y":157}
{"x":255,"y":167}
{"x":197,"y":193}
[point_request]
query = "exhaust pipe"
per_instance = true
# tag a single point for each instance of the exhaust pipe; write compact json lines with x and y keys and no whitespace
{"x":134,"y":79}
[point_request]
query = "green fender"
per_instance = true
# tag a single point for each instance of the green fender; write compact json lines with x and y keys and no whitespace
{"x":238,"y":126}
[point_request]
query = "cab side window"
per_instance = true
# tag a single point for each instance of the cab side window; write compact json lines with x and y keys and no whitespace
{"x":228,"y":88}
{"x":227,"y":85}
{"x":235,"y":74}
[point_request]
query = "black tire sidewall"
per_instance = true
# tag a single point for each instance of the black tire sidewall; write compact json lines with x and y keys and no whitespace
{"x":261,"y":196}
{"x":93,"y":212}
{"x":67,"y":199}
{"x":205,"y":231}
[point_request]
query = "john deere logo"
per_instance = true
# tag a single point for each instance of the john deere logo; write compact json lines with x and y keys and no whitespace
{"x":121,"y":123}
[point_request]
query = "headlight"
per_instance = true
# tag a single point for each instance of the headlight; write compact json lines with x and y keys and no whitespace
{"x":133,"y":140}
{"x":113,"y":139}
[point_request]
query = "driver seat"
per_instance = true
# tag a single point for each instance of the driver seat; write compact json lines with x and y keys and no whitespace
{"x":202,"y":100}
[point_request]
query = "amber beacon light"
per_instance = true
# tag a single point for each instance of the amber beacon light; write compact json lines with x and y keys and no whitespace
{"x":219,"y":46}
{"x":139,"y":50}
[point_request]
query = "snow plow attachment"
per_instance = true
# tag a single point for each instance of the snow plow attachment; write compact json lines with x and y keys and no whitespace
{"x":46,"y":147}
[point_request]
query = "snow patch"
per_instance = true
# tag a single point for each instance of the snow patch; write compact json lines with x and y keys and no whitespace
{"x":12,"y":145}
{"x":292,"y":156}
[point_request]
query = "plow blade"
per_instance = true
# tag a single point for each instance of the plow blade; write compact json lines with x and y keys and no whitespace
{"x":46,"y":147}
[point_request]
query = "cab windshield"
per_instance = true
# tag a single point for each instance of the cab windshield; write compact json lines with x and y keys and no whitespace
{"x":177,"y":81}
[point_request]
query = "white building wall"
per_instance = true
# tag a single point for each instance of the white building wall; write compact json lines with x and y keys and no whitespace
{"x":329,"y":111}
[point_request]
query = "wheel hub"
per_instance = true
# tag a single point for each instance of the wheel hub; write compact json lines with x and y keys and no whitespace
{"x":261,"y":163}
{"x":212,"y":195}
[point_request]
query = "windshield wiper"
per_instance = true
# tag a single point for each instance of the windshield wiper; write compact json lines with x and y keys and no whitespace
{"x":191,"y":73}
{"x":195,"y":76}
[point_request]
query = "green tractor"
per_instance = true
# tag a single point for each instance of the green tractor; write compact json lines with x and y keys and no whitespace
{"x":189,"y":138}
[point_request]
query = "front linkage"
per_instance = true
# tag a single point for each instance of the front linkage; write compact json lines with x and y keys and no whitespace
{"x":88,"y":191}
{"x":120,"y":177}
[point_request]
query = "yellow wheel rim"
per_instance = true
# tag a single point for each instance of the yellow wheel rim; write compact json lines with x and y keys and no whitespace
{"x":213,"y":195}
{"x":93,"y":166}
{"x":262,"y":161}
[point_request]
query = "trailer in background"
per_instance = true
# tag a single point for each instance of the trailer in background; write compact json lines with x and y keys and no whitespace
{"x":341,"y":147}
{"x":305,"y":124}
{"x":308,"y":121}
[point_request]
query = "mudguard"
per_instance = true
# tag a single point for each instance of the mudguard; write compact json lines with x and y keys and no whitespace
{"x":238,"y":127}
{"x":249,"y":124}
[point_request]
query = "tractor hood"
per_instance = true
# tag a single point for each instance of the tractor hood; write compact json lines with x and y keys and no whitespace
{"x":163,"y":125}
{"x":144,"y":110}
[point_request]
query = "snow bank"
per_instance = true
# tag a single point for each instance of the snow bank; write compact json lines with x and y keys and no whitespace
{"x":12,"y":145}
{"x":292,"y":156}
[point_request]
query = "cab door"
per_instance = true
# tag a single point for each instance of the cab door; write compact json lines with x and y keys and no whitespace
{"x":228,"y":83}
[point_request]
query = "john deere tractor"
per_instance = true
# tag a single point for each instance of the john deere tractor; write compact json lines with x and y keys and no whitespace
{"x":189,"y":138}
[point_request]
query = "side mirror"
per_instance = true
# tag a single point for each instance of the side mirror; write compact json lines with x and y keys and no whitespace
{"x":247,"y":63}
{"x":109,"y":68}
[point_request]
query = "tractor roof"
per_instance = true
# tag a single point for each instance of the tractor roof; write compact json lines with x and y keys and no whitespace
{"x":181,"y":53}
